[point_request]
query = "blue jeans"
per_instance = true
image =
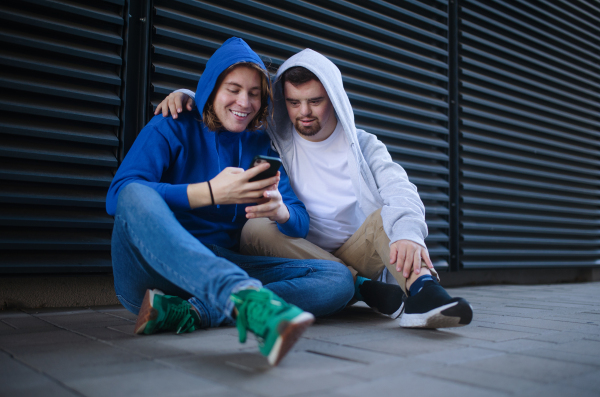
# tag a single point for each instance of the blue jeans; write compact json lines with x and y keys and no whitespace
{"x":150,"y":249}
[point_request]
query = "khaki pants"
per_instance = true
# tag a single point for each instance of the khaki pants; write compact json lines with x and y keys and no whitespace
{"x":366,"y":252}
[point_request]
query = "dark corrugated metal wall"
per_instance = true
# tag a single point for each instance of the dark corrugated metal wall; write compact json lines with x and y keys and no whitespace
{"x":60,"y":78}
{"x":393,"y":59}
{"x":530,"y":147}
{"x":528,"y":110}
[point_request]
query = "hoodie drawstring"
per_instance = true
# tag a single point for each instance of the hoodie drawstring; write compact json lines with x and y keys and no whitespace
{"x":239,"y":165}
{"x":219,"y":164}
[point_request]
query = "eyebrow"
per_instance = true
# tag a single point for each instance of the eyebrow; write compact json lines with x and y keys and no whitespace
{"x":237,"y":85}
{"x":309,"y":99}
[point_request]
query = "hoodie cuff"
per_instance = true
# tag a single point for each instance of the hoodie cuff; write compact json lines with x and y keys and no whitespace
{"x":408,"y":236}
{"x":187,"y":92}
{"x":290,"y":228}
{"x":176,"y":197}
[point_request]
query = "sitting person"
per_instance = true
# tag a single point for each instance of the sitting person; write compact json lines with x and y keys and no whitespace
{"x":179,"y":200}
{"x":363,"y":210}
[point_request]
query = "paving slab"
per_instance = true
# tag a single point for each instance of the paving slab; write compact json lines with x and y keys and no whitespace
{"x":533,"y":368}
{"x":460,"y":355}
{"x":494,"y":381}
{"x":157,"y":382}
{"x":414,"y":384}
{"x":523,"y":341}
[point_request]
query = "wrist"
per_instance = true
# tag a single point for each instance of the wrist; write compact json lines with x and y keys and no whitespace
{"x":199,"y":195}
{"x":285,"y":215}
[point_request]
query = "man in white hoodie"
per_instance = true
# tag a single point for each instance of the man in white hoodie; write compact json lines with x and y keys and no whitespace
{"x":363,"y":210}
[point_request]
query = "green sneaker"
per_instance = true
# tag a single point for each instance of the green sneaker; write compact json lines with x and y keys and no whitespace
{"x":162,"y":312}
{"x":276,"y":324}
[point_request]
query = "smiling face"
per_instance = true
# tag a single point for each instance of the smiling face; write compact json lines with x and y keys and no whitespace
{"x":238,"y":98}
{"x":310,"y":109}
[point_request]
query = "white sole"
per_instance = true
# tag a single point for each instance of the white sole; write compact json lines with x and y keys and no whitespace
{"x":288,"y":338}
{"x":432,"y":319}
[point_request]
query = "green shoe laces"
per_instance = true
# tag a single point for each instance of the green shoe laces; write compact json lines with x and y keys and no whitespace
{"x":254,"y":310}
{"x":178,"y":317}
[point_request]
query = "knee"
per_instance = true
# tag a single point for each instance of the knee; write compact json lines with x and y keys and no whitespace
{"x":137,"y":201}
{"x":348,"y":284}
{"x":256,"y":230}
{"x":341,"y":283}
{"x":131,"y":194}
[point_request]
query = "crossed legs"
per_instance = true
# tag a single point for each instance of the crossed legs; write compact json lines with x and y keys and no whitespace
{"x":151,"y":249}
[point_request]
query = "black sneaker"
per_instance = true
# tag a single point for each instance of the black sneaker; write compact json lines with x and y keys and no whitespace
{"x":387,"y":299}
{"x":432,"y":307}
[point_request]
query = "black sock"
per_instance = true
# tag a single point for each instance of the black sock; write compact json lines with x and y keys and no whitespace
{"x":386,"y":298}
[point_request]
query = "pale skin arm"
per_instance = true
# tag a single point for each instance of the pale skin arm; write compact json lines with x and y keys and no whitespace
{"x":231,"y":186}
{"x":174,"y":103}
{"x":407,"y":256}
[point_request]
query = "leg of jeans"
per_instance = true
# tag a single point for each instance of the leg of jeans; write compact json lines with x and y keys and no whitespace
{"x":151,"y":249}
{"x":368,"y":251}
{"x":261,"y":237}
{"x":320,"y":287}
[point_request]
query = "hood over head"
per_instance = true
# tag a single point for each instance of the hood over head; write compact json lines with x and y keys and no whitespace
{"x":234,"y":50}
{"x":330,"y":76}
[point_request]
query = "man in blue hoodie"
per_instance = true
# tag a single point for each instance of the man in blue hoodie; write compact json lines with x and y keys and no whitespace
{"x":179,"y":200}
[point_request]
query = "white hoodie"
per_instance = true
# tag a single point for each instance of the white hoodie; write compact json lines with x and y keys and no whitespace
{"x":378,"y":181}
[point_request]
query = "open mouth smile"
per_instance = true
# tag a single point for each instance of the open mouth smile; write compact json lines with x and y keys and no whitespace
{"x":240,"y":114}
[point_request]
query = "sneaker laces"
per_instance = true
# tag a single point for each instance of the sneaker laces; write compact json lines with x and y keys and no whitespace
{"x":179,"y":317}
{"x":253,"y":314}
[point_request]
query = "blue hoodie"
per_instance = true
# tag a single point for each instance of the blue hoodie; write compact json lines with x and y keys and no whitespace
{"x":169,"y":154}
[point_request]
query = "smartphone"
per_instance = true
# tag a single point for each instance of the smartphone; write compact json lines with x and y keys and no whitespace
{"x":271,"y":171}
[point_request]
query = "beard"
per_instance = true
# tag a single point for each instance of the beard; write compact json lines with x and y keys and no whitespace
{"x":311,"y":130}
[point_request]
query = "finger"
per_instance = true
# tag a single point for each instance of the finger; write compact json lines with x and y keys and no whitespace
{"x":190,"y":104}
{"x":158,"y":109}
{"x":262,"y":208}
{"x":393,"y":253}
{"x":261,"y":214}
{"x":252,"y":172}
{"x":234,"y":170}
{"x":264,"y":205}
{"x":400,"y":259}
{"x":165,"y":108}
{"x":417,"y":261}
{"x":425,"y":256}
{"x":178,"y":105}
{"x":247,"y":200}
{"x":274,"y":195}
{"x":173,"y":108}
{"x":262,"y":185}
{"x":408,"y":262}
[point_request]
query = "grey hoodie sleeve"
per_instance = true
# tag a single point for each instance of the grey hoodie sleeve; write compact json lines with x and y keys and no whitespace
{"x":187,"y":92}
{"x":403,"y":211}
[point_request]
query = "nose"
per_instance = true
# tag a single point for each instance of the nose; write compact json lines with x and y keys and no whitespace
{"x":242,"y":99}
{"x":305,"y":109}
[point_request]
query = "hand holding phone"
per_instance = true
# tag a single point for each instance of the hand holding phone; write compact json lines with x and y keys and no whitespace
{"x":271,"y":171}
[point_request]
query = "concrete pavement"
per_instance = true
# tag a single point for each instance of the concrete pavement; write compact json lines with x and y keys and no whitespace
{"x":541,"y":340}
